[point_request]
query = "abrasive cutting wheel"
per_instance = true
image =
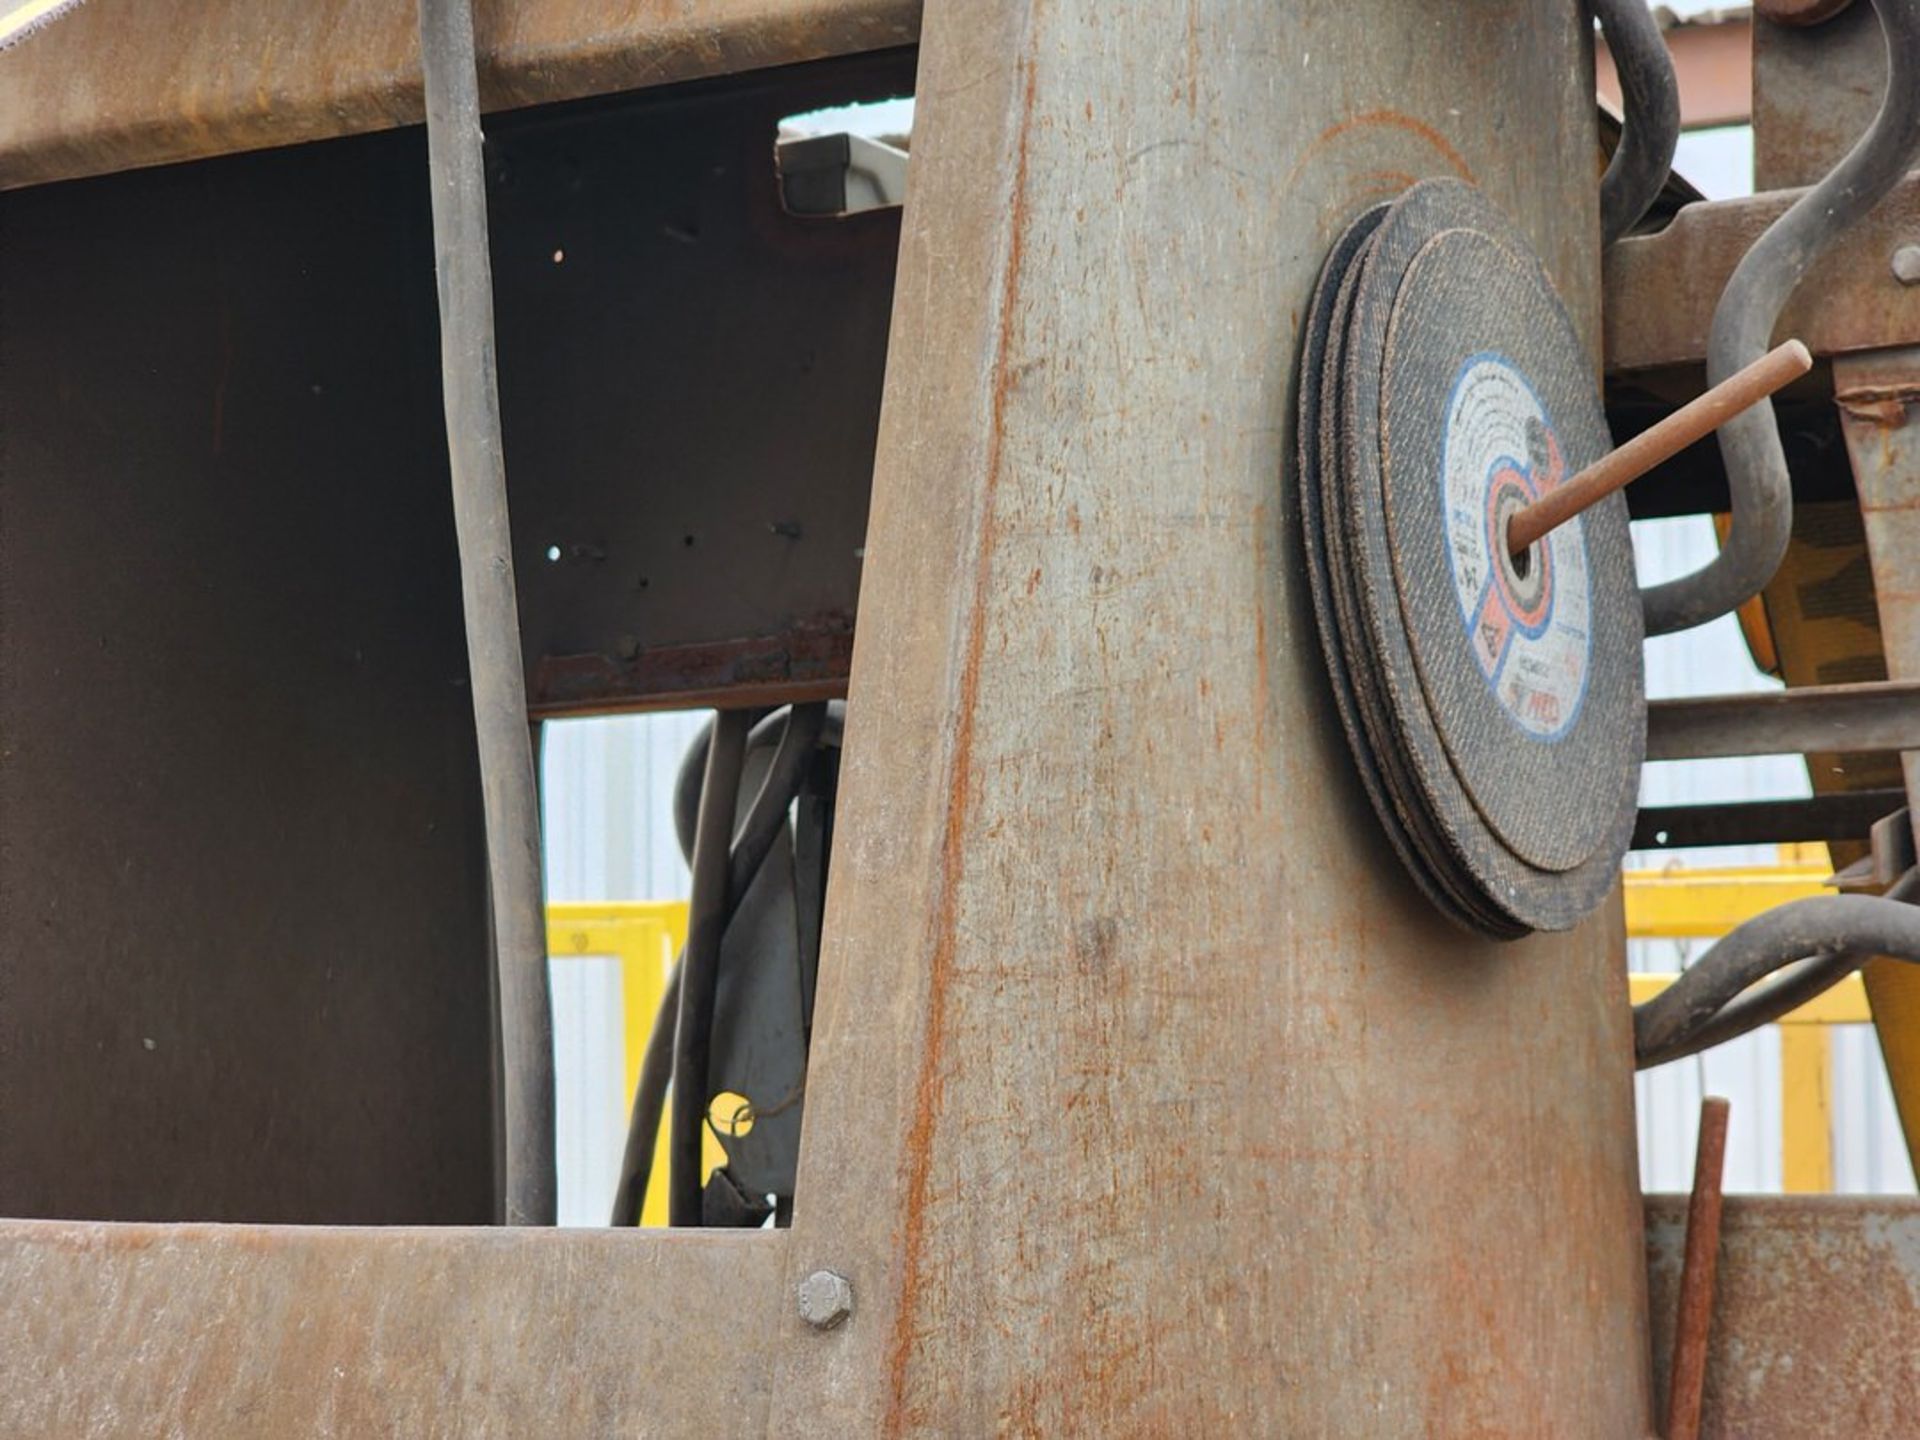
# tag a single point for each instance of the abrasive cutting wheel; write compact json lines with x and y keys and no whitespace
{"x":1494,"y":704}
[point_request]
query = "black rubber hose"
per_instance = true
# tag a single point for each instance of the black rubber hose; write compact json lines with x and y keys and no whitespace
{"x":1759,"y":489}
{"x":1650,"y":96}
{"x":686,"y":785}
{"x":1823,"y":938}
{"x":707,"y":911}
{"x":649,"y":1105}
{"x":800,"y":730}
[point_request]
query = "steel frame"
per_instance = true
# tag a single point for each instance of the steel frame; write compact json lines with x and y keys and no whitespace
{"x":1143,"y":1095}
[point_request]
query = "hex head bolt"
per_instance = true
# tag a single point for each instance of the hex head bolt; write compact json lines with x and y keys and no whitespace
{"x":826,"y":1299}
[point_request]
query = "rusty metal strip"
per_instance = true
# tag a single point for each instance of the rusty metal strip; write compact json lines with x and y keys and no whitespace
{"x":1802,"y":720}
{"x":808,"y":662}
{"x":1693,"y":1325}
{"x":1816,"y":1322}
{"x":262,"y":1330}
{"x":1660,"y":289}
{"x":119,"y":86}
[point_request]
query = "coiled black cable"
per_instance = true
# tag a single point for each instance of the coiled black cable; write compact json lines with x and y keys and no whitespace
{"x":797,"y":732}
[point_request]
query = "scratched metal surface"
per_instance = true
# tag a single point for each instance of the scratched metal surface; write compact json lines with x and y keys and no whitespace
{"x":1148,"y":1097}
{"x":124,"y":1330}
{"x":1816,"y":1314}
{"x":1661,"y":288}
{"x":124,"y":83}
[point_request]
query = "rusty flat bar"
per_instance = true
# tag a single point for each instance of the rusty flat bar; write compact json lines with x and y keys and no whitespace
{"x":1806,"y":720}
{"x":268,"y":1330}
{"x":1660,"y":289}
{"x":1694,"y":1322}
{"x":120,"y":86}
{"x":1816,"y":1326}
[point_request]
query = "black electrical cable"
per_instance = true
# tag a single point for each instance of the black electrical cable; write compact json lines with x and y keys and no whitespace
{"x":700,"y":963}
{"x":1650,"y":96}
{"x":686,"y":785}
{"x":800,"y":730}
{"x":1817,"y":941}
{"x":1759,"y":489}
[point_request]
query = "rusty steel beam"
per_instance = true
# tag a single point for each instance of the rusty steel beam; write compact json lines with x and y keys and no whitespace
{"x":1693,"y":1324}
{"x":1816,"y":89}
{"x":1816,"y":1320}
{"x":1878,"y":395}
{"x":262,"y":1330}
{"x":1803,"y":720}
{"x":1146,"y":1095}
{"x":1660,"y":289}
{"x":120,"y":86}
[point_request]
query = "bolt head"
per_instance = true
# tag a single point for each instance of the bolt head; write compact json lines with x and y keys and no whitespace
{"x":1906,"y":264}
{"x":826,"y":1299}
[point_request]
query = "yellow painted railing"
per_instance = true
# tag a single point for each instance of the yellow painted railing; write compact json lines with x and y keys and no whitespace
{"x":1701,"y":904}
{"x":1706,"y":903}
{"x":643,"y":936}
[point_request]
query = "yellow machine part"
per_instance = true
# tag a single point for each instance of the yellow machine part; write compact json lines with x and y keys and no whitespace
{"x":1818,"y":624}
{"x":644,"y":936}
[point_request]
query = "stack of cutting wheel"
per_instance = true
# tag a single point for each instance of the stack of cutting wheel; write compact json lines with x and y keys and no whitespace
{"x":1493,"y":703}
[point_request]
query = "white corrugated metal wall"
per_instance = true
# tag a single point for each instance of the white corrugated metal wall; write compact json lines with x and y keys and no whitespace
{"x":607,"y":799}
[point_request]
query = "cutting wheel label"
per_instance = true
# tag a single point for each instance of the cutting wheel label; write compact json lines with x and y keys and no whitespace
{"x":1527,"y":619}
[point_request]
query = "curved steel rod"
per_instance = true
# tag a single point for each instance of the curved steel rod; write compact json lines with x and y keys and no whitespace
{"x":1650,"y":96}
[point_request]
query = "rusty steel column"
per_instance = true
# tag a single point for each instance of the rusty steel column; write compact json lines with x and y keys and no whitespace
{"x":1816,"y":90}
{"x":1878,"y":393}
{"x":1147,"y":1095}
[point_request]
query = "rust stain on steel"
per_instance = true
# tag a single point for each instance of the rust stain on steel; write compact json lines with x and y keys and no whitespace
{"x":119,"y":86}
{"x":1816,"y":1324}
{"x":809,"y":661}
{"x":262,"y":1330}
{"x":1383,"y":119}
{"x":1660,"y":289}
{"x":929,"y":1085}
